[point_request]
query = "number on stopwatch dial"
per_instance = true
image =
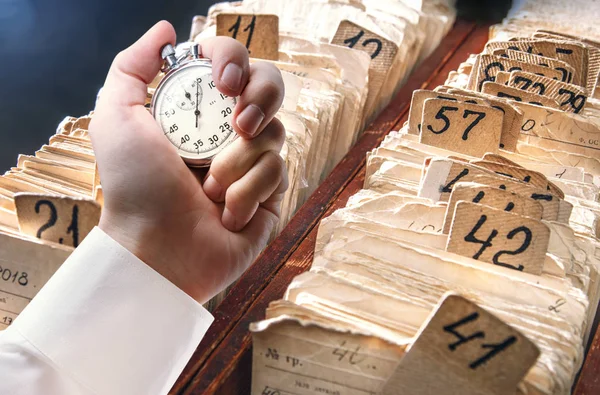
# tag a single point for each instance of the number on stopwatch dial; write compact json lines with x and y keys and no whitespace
{"x":193,"y":114}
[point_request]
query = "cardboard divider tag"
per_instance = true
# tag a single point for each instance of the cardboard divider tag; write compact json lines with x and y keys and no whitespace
{"x":518,"y":95}
{"x":498,"y":237}
{"x":60,"y":219}
{"x":487,"y":66}
{"x":520,"y":173}
{"x":258,"y":32}
{"x":500,"y":199}
{"x":563,"y":67}
{"x":442,"y":174}
{"x":502,"y":78}
{"x":499,"y":159}
{"x":512,"y":120}
{"x":576,"y":55}
{"x":381,"y":50}
{"x":467,"y":128}
{"x":552,"y":188}
{"x":462,"y":349}
{"x":549,"y":202}
{"x":593,"y":47}
{"x":418,"y":100}
{"x":570,"y":97}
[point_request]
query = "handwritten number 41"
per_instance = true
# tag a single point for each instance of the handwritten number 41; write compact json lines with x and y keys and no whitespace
{"x":495,"y":349}
{"x":440,"y":115}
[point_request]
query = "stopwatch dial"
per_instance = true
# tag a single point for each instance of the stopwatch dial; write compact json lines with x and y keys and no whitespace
{"x":188,"y":94}
{"x":204,"y":129}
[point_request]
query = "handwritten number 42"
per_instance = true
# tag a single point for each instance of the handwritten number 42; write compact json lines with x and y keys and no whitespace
{"x":472,"y":238}
{"x":440,"y":115}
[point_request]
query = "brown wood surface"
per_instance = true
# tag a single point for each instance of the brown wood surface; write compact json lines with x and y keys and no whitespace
{"x":223,"y":358}
{"x":222,"y":362}
{"x":588,"y":382}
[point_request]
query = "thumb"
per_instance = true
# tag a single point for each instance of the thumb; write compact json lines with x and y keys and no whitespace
{"x":135,"y":67}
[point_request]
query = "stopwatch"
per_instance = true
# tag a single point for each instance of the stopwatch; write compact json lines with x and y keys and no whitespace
{"x":194,"y":116}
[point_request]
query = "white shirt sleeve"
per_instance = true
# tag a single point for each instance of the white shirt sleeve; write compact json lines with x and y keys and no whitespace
{"x":105,"y":324}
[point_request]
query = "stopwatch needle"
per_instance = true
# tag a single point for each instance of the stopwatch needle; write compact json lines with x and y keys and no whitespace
{"x":187,"y":94}
{"x":197,"y":112}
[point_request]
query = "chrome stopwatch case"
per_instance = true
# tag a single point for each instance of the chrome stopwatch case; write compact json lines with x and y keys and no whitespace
{"x":195,"y":117}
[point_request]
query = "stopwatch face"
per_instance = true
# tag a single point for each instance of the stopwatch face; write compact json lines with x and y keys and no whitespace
{"x":193,"y":114}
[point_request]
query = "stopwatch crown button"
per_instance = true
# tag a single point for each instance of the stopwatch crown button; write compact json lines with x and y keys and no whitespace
{"x":195,"y":51}
{"x":168,"y":54}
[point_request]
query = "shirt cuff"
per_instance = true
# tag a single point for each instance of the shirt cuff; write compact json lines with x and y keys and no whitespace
{"x":112,"y":323}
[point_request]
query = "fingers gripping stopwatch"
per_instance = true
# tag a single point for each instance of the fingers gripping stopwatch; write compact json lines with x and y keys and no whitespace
{"x":194,"y":116}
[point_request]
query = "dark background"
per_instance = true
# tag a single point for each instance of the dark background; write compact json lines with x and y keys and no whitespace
{"x":55,"y":55}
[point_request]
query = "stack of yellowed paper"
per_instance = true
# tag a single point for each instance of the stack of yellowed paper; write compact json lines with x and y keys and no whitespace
{"x":342,"y":62}
{"x":50,"y":201}
{"x":491,"y":190}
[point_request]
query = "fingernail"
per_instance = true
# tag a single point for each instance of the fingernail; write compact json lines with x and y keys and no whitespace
{"x":228,"y":220}
{"x":232,"y":76}
{"x":250,"y":119}
{"x":213,"y":189}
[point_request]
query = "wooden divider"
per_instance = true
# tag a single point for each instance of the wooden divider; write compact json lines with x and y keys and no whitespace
{"x":222,"y":362}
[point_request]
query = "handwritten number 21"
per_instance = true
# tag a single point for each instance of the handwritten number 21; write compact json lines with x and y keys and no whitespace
{"x":235,"y":28}
{"x":352,"y":41}
{"x":73,"y":228}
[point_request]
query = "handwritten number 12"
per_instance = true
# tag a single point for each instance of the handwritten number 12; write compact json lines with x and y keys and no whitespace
{"x":352,"y":41}
{"x":235,"y":28}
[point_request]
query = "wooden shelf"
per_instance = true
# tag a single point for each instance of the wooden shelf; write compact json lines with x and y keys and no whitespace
{"x":222,"y":362}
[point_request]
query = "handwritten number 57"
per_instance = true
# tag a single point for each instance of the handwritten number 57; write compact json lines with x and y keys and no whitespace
{"x":441,"y":116}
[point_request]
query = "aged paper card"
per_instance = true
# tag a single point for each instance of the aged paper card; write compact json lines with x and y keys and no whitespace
{"x":60,"y":219}
{"x":259,"y":33}
{"x":463,"y":350}
{"x":499,"y":237}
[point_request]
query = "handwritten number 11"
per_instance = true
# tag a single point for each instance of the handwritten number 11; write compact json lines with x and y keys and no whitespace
{"x":236,"y":28}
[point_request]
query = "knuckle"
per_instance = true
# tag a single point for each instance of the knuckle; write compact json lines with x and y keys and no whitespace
{"x":237,"y":197}
{"x":221,"y":166}
{"x":272,"y":90}
{"x":274,"y":164}
{"x":270,"y":68}
{"x":276,"y":132}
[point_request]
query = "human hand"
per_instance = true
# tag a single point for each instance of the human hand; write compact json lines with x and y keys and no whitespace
{"x":200,"y":236}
